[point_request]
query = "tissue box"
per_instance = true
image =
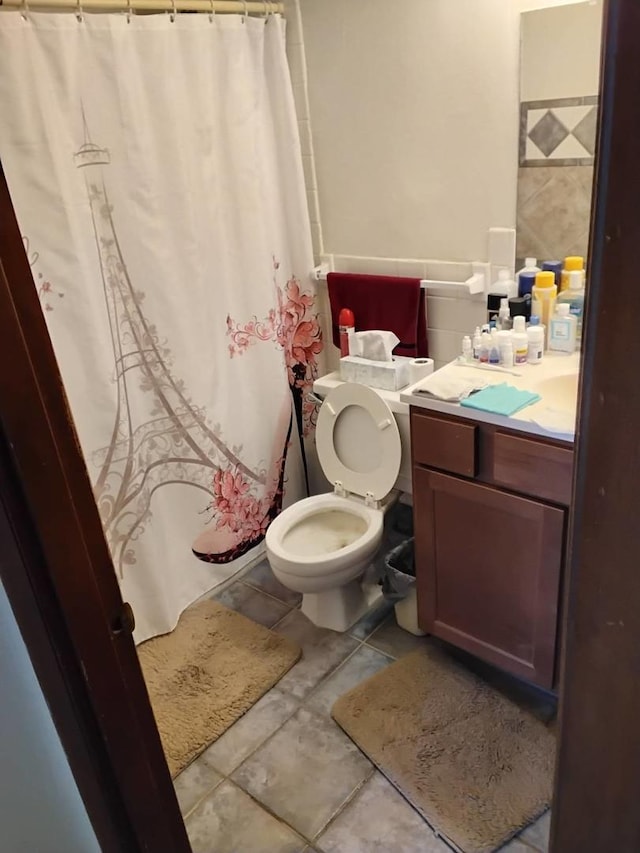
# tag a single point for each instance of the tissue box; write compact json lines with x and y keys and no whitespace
{"x":388,"y":375}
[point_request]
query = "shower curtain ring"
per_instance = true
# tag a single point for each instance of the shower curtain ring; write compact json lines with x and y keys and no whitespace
{"x":172,"y":14}
{"x":246,"y":12}
{"x":24,"y":11}
{"x":212,"y":13}
{"x":78,"y":11}
{"x":129,"y":11}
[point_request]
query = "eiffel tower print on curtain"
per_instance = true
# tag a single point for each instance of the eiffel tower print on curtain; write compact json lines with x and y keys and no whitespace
{"x":174,"y":444}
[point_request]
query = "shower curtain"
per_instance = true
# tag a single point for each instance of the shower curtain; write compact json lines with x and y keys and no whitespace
{"x":155,"y":168}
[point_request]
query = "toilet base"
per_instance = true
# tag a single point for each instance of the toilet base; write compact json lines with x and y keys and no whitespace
{"x":339,"y":608}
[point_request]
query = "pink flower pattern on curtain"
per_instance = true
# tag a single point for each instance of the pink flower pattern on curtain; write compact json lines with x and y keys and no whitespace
{"x":241,"y":508}
{"x":296,"y":330}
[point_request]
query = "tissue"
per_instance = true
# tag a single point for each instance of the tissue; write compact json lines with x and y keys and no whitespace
{"x":374,"y":345}
{"x":387,"y":375}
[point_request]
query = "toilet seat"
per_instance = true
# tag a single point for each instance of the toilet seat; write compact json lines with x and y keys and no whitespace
{"x":358,"y":442}
{"x":301,"y":566}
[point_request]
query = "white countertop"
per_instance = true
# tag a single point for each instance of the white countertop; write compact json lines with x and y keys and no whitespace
{"x":550,"y":417}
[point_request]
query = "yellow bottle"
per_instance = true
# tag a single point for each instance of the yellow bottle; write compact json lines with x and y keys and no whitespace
{"x":571,"y":264}
{"x":543,"y":297}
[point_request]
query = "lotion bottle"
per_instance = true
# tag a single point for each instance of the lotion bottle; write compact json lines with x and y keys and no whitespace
{"x":477,"y":344}
{"x":520,"y":341}
{"x":563,"y":329}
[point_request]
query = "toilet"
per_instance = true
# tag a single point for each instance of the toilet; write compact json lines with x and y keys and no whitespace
{"x":322,"y":545}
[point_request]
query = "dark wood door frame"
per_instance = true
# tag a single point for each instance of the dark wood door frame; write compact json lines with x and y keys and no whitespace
{"x":598,"y":769}
{"x":58,"y":574}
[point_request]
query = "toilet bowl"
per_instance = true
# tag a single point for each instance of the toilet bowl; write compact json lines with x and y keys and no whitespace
{"x":322,"y":545}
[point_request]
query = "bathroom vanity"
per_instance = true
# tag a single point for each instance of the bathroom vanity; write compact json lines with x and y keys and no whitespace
{"x":490,"y":498}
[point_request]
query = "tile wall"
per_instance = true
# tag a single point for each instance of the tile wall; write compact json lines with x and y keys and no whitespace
{"x":554,"y":209}
{"x":557,"y":147}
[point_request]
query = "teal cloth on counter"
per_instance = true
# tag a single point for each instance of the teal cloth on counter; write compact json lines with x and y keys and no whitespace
{"x":501,"y":399}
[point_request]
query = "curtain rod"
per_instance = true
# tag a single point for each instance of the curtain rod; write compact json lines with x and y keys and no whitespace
{"x":251,"y":7}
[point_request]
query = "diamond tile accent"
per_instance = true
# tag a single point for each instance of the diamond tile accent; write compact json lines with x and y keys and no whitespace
{"x":560,"y":131}
{"x":570,"y":116}
{"x":570,"y":149}
{"x":585,"y":131}
{"x":548,"y":133}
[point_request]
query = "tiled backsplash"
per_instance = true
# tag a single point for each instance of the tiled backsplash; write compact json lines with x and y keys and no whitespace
{"x":557,"y":146}
{"x":554,"y":209}
{"x":451,"y":311}
{"x":558,"y":132}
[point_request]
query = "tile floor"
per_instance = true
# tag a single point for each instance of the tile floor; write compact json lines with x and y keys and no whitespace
{"x":285,"y":778}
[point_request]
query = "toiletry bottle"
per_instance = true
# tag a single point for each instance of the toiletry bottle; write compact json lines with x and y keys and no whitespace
{"x":520,"y":306}
{"x":530,"y":268}
{"x":574,"y":263}
{"x":504,"y":284}
{"x":574,"y":297}
{"x":346,"y":326}
{"x":543,"y":297}
{"x":520,"y":341}
{"x":555,"y":267}
{"x":467,"y":348}
{"x":535,"y":338}
{"x":494,"y":350}
{"x":506,"y":354}
{"x":485,"y":348}
{"x":477,"y":343}
{"x":493,"y":305}
{"x":505,"y":345}
{"x":562,"y":332}
{"x":504,"y":317}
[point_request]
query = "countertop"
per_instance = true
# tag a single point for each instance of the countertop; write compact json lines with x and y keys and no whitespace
{"x":551,"y":417}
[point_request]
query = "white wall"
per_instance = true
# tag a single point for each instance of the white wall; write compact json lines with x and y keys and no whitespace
{"x":561,"y":52}
{"x":414,"y":119}
{"x":40,"y":807}
{"x":527,"y":5}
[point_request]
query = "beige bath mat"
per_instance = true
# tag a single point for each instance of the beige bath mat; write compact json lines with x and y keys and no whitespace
{"x":207,"y":673}
{"x":475,"y":765}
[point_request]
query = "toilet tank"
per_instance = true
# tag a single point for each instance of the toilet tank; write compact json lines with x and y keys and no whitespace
{"x":321,"y":388}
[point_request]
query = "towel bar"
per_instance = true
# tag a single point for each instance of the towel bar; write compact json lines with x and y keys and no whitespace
{"x":475,"y":284}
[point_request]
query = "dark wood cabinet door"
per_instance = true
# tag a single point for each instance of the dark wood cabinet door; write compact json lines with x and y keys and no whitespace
{"x":488,"y":572}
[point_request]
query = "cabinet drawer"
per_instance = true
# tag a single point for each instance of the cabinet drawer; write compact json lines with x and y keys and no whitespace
{"x":448,"y":445}
{"x":534,"y":468}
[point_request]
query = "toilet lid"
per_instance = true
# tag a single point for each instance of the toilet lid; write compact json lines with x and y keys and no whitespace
{"x":358,"y":440}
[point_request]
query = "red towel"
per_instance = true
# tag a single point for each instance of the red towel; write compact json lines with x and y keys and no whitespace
{"x":382,"y":302}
